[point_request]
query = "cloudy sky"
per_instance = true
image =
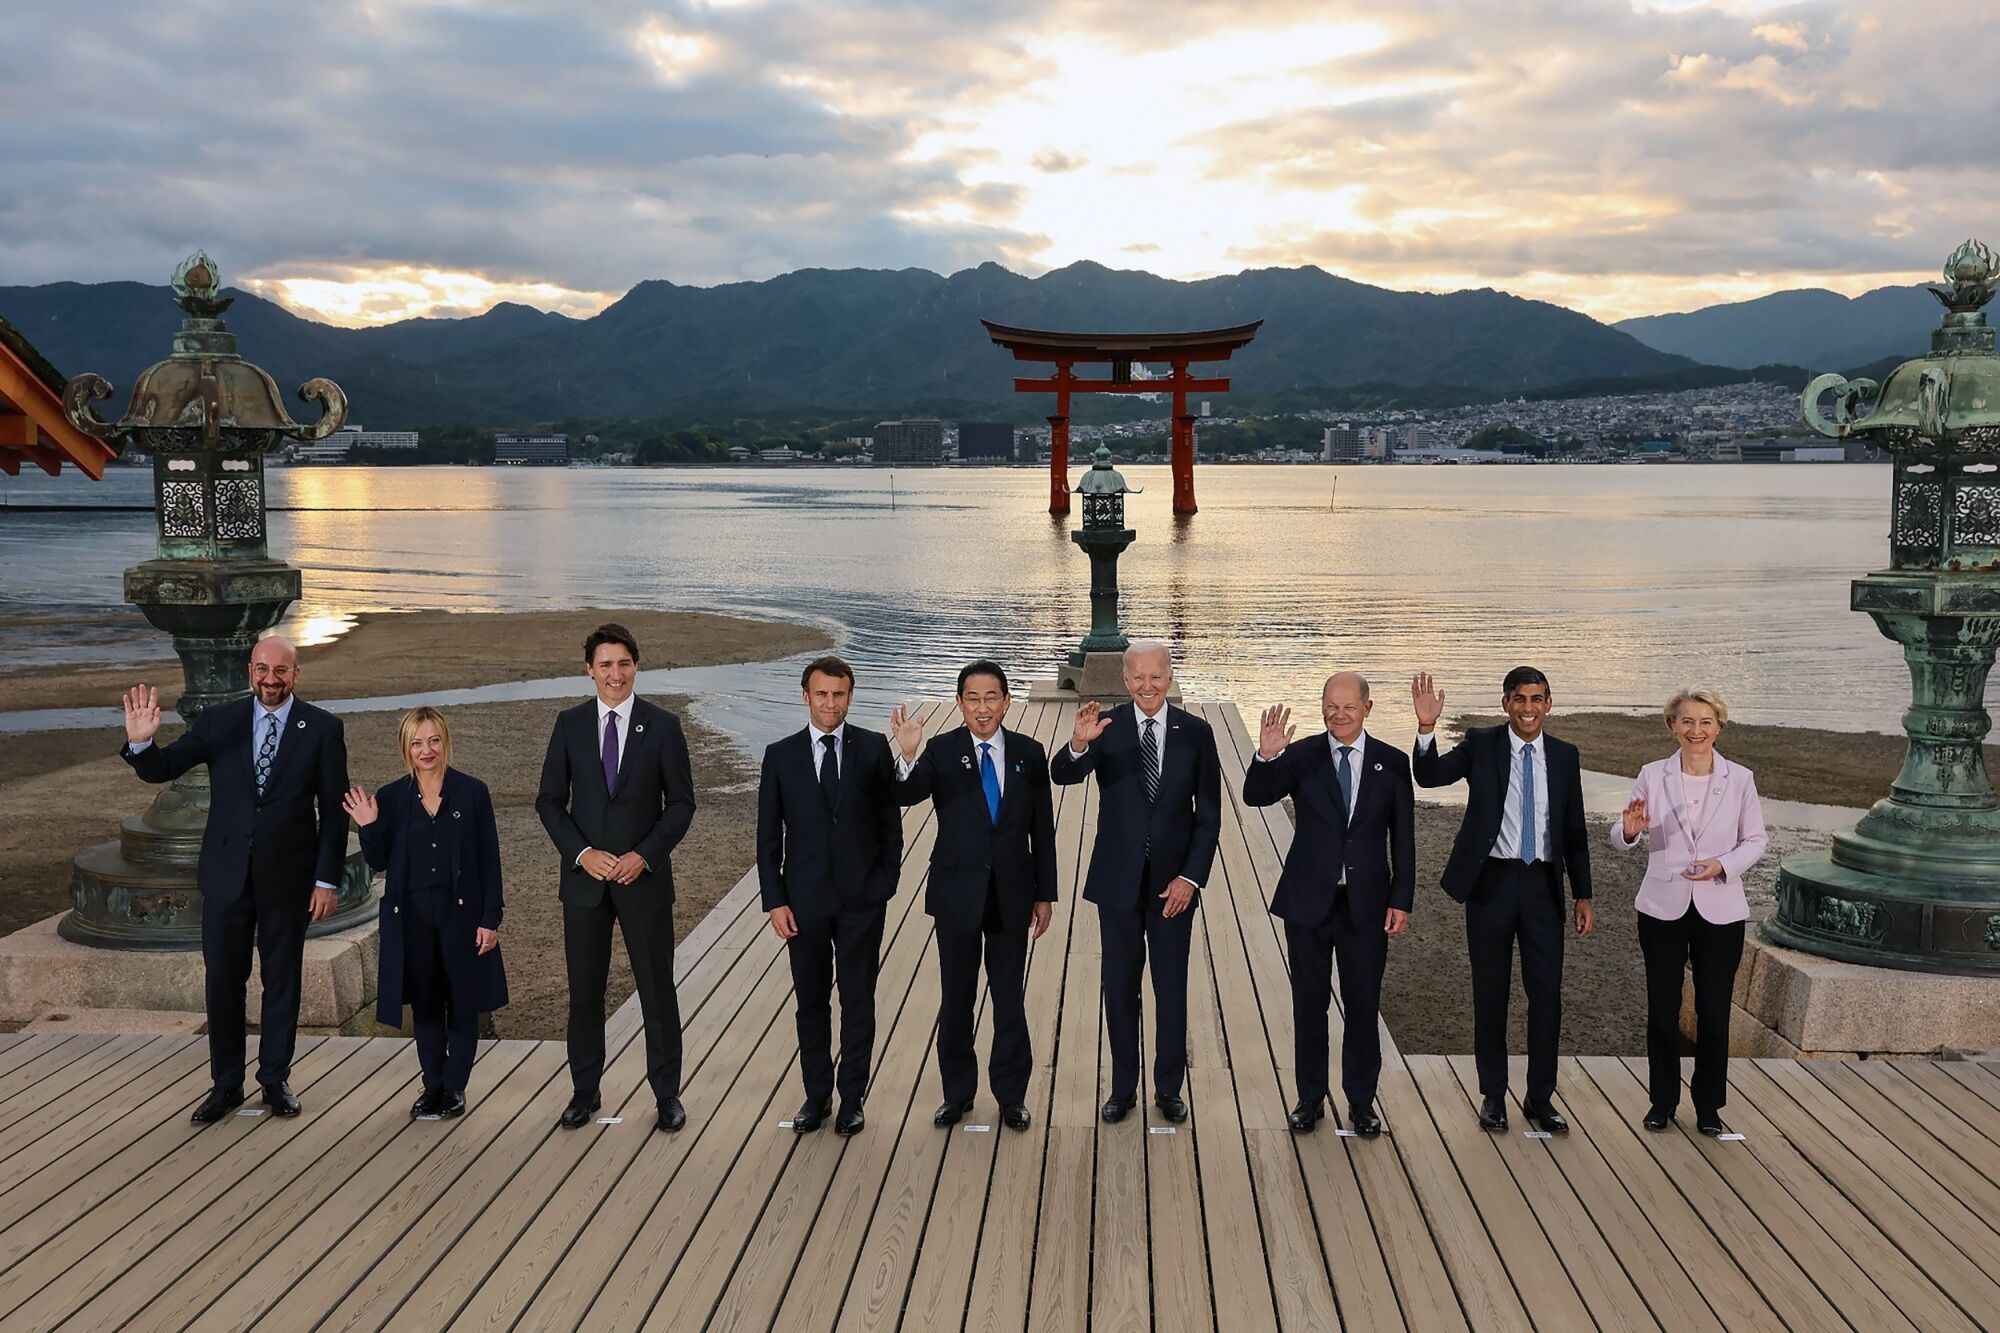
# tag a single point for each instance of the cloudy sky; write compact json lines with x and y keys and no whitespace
{"x":364,"y":160}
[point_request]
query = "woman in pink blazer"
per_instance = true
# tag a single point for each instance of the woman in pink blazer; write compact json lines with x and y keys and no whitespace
{"x":1697,"y":815}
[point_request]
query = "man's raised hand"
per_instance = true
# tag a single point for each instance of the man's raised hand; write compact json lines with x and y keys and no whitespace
{"x":907,"y":731}
{"x":1427,"y":699}
{"x":1276,"y":732}
{"x":1091,"y":720}
{"x":142,"y":714}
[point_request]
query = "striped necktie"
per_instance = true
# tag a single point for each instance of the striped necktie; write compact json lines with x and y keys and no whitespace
{"x":1149,"y":750}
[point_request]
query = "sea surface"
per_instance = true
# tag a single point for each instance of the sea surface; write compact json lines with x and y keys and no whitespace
{"x":1620,"y":582}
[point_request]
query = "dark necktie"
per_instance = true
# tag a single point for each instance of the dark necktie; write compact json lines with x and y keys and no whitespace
{"x":610,"y":752}
{"x":267,"y":751}
{"x":1149,"y":751}
{"x":1346,"y":774}
{"x":1528,"y":820}
{"x":989,"y":779}
{"x":829,"y":771}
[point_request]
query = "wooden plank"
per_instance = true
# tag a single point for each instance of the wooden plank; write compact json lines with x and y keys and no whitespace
{"x":1855,"y":1240}
{"x":1930,"y":1134}
{"x":1546,"y":1289}
{"x":49,"y":1060}
{"x":1744,"y":1226}
{"x":1059,"y":1294}
{"x":69,"y":1122}
{"x":1180,"y":1288}
{"x":130,"y":1240}
{"x":412,"y":1164}
{"x":27,"y":1047}
{"x":1977,"y":1078}
{"x":1121,"y":1227}
{"x":1935,"y":1082}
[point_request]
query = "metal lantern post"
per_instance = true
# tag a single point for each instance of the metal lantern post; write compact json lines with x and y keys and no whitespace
{"x":1096,"y":667}
{"x":1916,"y":882}
{"x":207,"y":417}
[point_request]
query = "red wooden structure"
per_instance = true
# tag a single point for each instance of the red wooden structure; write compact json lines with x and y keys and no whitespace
{"x":1122,"y":351}
{"x":33,"y":428}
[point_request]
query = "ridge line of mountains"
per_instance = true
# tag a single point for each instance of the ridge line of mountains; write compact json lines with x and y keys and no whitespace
{"x":859,"y":341}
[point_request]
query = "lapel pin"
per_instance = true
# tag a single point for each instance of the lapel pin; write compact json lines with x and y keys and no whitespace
{"x":301,"y":724}
{"x":1378,"y":767}
{"x":638,"y":726}
{"x":454,"y":814}
{"x":965,"y":760}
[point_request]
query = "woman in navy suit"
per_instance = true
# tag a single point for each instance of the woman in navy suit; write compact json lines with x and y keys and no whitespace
{"x":433,"y":832}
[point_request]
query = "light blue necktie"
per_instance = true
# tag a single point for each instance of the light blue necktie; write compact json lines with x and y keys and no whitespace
{"x":1528,"y":820}
{"x":989,"y":778}
{"x":267,"y":751}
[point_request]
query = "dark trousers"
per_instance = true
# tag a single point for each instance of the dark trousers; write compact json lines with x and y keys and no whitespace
{"x":1712,"y":952}
{"x":648,"y":926}
{"x":1012,"y":1059}
{"x":273,"y":921}
{"x":1513,"y":901}
{"x":447,"y":1032}
{"x":844,"y":948}
{"x":1362,"y":955}
{"x":1125,"y":939}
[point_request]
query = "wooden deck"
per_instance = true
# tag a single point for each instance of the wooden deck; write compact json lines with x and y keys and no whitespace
{"x":1862,"y":1196}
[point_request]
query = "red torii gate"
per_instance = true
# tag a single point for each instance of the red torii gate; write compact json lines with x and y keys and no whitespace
{"x":1122,"y":351}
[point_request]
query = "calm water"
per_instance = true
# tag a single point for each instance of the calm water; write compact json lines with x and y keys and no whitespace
{"x":1620,"y":582}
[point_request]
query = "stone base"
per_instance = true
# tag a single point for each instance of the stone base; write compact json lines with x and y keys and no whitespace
{"x":120,"y":1022}
{"x":1801,"y":1006}
{"x":40,"y":971}
{"x":1100,"y":677}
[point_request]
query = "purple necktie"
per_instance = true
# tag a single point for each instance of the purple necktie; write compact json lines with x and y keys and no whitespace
{"x":610,"y":752}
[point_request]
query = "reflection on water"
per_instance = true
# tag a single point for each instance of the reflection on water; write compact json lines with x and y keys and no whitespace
{"x":1620,"y":582}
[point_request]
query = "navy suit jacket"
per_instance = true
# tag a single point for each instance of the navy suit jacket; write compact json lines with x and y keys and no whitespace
{"x":1017,"y":855}
{"x":1183,"y":826}
{"x":1483,"y":759}
{"x":1376,"y":847}
{"x":472,"y":845}
{"x":817,"y":858}
{"x":296,"y":832}
{"x":648,"y":814}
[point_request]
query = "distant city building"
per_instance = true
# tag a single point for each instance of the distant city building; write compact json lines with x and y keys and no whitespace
{"x":531,"y":450}
{"x":739,"y":453}
{"x":779,"y":454}
{"x":1351,"y":444}
{"x":913,"y":440}
{"x":985,"y":440}
{"x":335,"y":447}
{"x":1451,"y":453}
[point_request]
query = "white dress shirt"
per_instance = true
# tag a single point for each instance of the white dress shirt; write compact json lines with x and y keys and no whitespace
{"x":998,"y":740}
{"x":816,"y":736}
{"x":1508,"y":845}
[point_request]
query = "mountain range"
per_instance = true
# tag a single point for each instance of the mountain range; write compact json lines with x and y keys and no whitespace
{"x":1815,"y":329}
{"x":862,"y":340}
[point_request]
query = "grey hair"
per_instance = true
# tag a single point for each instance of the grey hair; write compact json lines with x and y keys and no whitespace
{"x":1358,"y":678}
{"x":1140,"y":647}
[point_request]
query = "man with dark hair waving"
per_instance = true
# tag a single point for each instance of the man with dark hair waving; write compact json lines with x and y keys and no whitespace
{"x":829,"y":850}
{"x":1522,"y":834}
{"x":992,"y":880}
{"x":617,"y":796}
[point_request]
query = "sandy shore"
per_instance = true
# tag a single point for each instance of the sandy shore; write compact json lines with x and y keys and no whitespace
{"x":1791,"y":763}
{"x":411,"y":652}
{"x":65,"y":790}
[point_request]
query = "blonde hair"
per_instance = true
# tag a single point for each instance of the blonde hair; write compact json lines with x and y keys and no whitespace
{"x":1696,"y":694}
{"x":407,"y":728}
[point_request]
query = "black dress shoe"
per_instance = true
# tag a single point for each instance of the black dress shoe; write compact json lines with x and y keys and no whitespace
{"x":1544,"y":1118}
{"x":581,"y":1107}
{"x":449,"y":1105}
{"x":811,"y":1116}
{"x":1363,"y":1120}
{"x":850,"y":1120}
{"x":672,"y":1116}
{"x":1305,"y":1115}
{"x":424,"y":1105}
{"x":1658,"y":1118}
{"x":219,"y":1103}
{"x":1493,"y":1113}
{"x":1116,"y":1109}
{"x":1015,"y":1116}
{"x":1710,"y":1123}
{"x":279,"y":1098}
{"x":1173,"y":1108}
{"x":951,"y":1113}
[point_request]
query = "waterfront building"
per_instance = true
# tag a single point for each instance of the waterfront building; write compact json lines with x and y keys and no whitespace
{"x":531,"y":450}
{"x":336,"y":447}
{"x":985,"y":441}
{"x":912,"y":440}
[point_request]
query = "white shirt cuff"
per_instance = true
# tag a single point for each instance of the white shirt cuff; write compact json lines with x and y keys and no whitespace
{"x":1425,"y":738}
{"x":142,"y":745}
{"x":904,"y":766}
{"x":322,"y":884}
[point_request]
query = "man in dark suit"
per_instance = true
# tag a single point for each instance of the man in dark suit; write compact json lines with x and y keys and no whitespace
{"x":1522,"y":834}
{"x":829,"y":851}
{"x":1348,"y":884}
{"x":1159,"y":815}
{"x":617,"y":796}
{"x":272,"y":852}
{"x":992,"y":884}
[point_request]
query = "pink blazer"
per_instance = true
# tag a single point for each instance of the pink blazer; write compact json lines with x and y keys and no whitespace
{"x":1730,"y":830}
